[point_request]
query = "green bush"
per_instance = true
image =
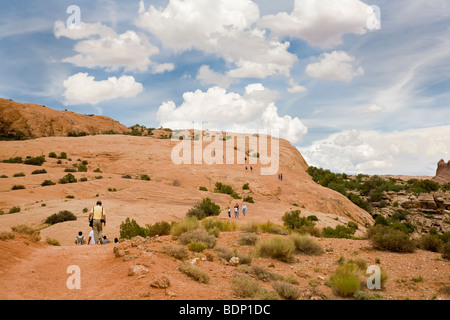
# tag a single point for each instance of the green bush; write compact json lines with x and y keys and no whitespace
{"x":270,"y":227}
{"x":197,"y":246}
{"x":346,"y":280}
{"x":82,"y":168}
{"x":60,"y":217}
{"x":446,"y":251}
{"x":36,"y":161}
{"x":47,"y":183}
{"x":212,"y":223}
{"x":338,"y":232}
{"x":245,"y":287}
{"x":431,"y":243}
{"x":251,"y":226}
{"x":62,"y":155}
{"x":42,"y":171}
{"x":292,"y":220}
{"x":386,"y":238}
{"x":13,"y":160}
{"x":70,"y":170}
{"x":248,"y":199}
{"x":278,"y":248}
{"x":127,"y":176}
{"x":52,"y":155}
{"x":223,"y":188}
{"x":202,"y":189}
{"x":18,"y":187}
{"x":14,"y":210}
{"x":144,"y":177}
{"x":158,"y":229}
{"x":18,"y":175}
{"x":130,"y":229}
{"x":69,"y":178}
{"x":246,"y":187}
{"x":203,"y":209}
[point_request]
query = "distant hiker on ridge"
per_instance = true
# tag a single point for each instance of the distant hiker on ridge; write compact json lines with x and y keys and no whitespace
{"x":98,"y":216}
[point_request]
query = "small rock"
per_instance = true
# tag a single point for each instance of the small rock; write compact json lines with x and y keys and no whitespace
{"x":160,"y":283}
{"x":194,"y":261}
{"x":170,"y":293}
{"x":271,"y":265}
{"x":234,"y":261}
{"x":137,"y":270}
{"x":321,"y":278}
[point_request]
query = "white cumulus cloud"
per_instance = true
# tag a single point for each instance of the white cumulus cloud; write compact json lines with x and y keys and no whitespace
{"x":218,"y":109}
{"x":409,"y":152}
{"x":335,"y":66}
{"x":321,"y":22}
{"x":83,"y":89}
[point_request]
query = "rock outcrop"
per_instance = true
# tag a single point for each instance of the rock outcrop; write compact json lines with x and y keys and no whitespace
{"x":443,"y":172}
{"x":19,"y":121}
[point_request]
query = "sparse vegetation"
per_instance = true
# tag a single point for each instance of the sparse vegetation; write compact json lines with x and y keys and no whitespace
{"x":6,"y":235}
{"x":339,"y":231}
{"x":185,"y":225}
{"x":194,"y":272}
{"x":386,"y":238}
{"x":42,"y":171}
{"x":59,"y":217}
{"x":223,"y":188}
{"x":18,"y":187}
{"x":248,"y":239}
{"x":197,"y":246}
{"x":346,"y":280}
{"x":286,"y":290}
{"x":17,"y":175}
{"x":47,"y":183}
{"x":306,"y":244}
{"x":13,"y":160}
{"x":277,"y":248}
{"x":27,"y":230}
{"x":144,"y":177}
{"x":179,"y":253}
{"x":36,"y":161}
{"x":198,"y":235}
{"x":52,"y":242}
{"x":203,"y":209}
{"x":69,"y":178}
{"x":202,"y":189}
{"x":14,"y":210}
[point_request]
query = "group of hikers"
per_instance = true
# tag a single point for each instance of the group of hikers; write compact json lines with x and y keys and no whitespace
{"x":97,"y":220}
{"x":236,"y":210}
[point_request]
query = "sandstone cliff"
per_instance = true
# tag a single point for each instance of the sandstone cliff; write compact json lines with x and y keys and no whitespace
{"x":443,"y":172}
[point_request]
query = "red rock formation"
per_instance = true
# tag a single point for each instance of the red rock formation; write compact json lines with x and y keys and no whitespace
{"x":443,"y":172}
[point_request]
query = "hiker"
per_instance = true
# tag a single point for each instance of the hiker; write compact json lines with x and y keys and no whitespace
{"x":236,"y":212}
{"x":80,"y":239}
{"x":116,"y":240}
{"x":246,"y":168}
{"x":251,"y":168}
{"x":229,"y":212}
{"x":98,"y":216}
{"x":281,"y":176}
{"x":105,"y":241}
{"x":244,"y":208}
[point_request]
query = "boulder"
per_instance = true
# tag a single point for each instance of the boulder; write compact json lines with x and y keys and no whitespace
{"x":137,"y":270}
{"x":160,"y":283}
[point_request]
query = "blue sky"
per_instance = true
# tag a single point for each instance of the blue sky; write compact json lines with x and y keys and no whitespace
{"x":356,"y":90}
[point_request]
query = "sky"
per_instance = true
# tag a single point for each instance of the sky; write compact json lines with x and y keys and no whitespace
{"x":357,"y":87}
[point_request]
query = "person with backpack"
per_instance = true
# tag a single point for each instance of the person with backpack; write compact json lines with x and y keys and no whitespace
{"x":229,"y":212}
{"x":98,"y":217}
{"x":79,"y":240}
{"x":244,"y":208}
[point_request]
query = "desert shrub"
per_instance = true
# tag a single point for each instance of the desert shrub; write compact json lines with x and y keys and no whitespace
{"x":292,"y":220}
{"x":385,"y":238}
{"x":286,"y":290}
{"x":144,"y":177}
{"x":13,"y":160}
{"x":18,"y":187}
{"x":197,"y":246}
{"x":223,"y":188}
{"x":36,"y":161}
{"x":47,"y":183}
{"x":311,"y":230}
{"x":126,"y":176}
{"x":248,"y":239}
{"x":278,"y":248}
{"x":198,"y":235}
{"x":185,"y":225}
{"x":446,"y":251}
{"x":212,"y":223}
{"x":338,"y":232}
{"x":52,"y":155}
{"x":312,"y":218}
{"x":244,"y":286}
{"x":14,"y":210}
{"x":423,"y":186}
{"x":82,"y":168}
{"x":270,"y":227}
{"x":179,"y":253}
{"x":430,"y":242}
{"x":227,"y":254}
{"x":62,"y":155}
{"x":158,"y":229}
{"x":363,"y":295}
{"x":306,"y":244}
{"x":17,"y":175}
{"x":70,"y":197}
{"x":3,"y":176}
{"x":42,"y":171}
{"x":70,"y":170}
{"x":202,"y":189}
{"x":246,"y":187}
{"x":68,"y":178}
{"x":261,"y":273}
{"x":6,"y":235}
{"x":194,"y":272}
{"x":130,"y":229}
{"x":52,"y":242}
{"x":346,"y":280}
{"x":60,"y":217}
{"x":203,"y":209}
{"x":27,"y":230}
{"x":251,"y":226}
{"x":361,"y":263}
{"x":248,"y":199}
